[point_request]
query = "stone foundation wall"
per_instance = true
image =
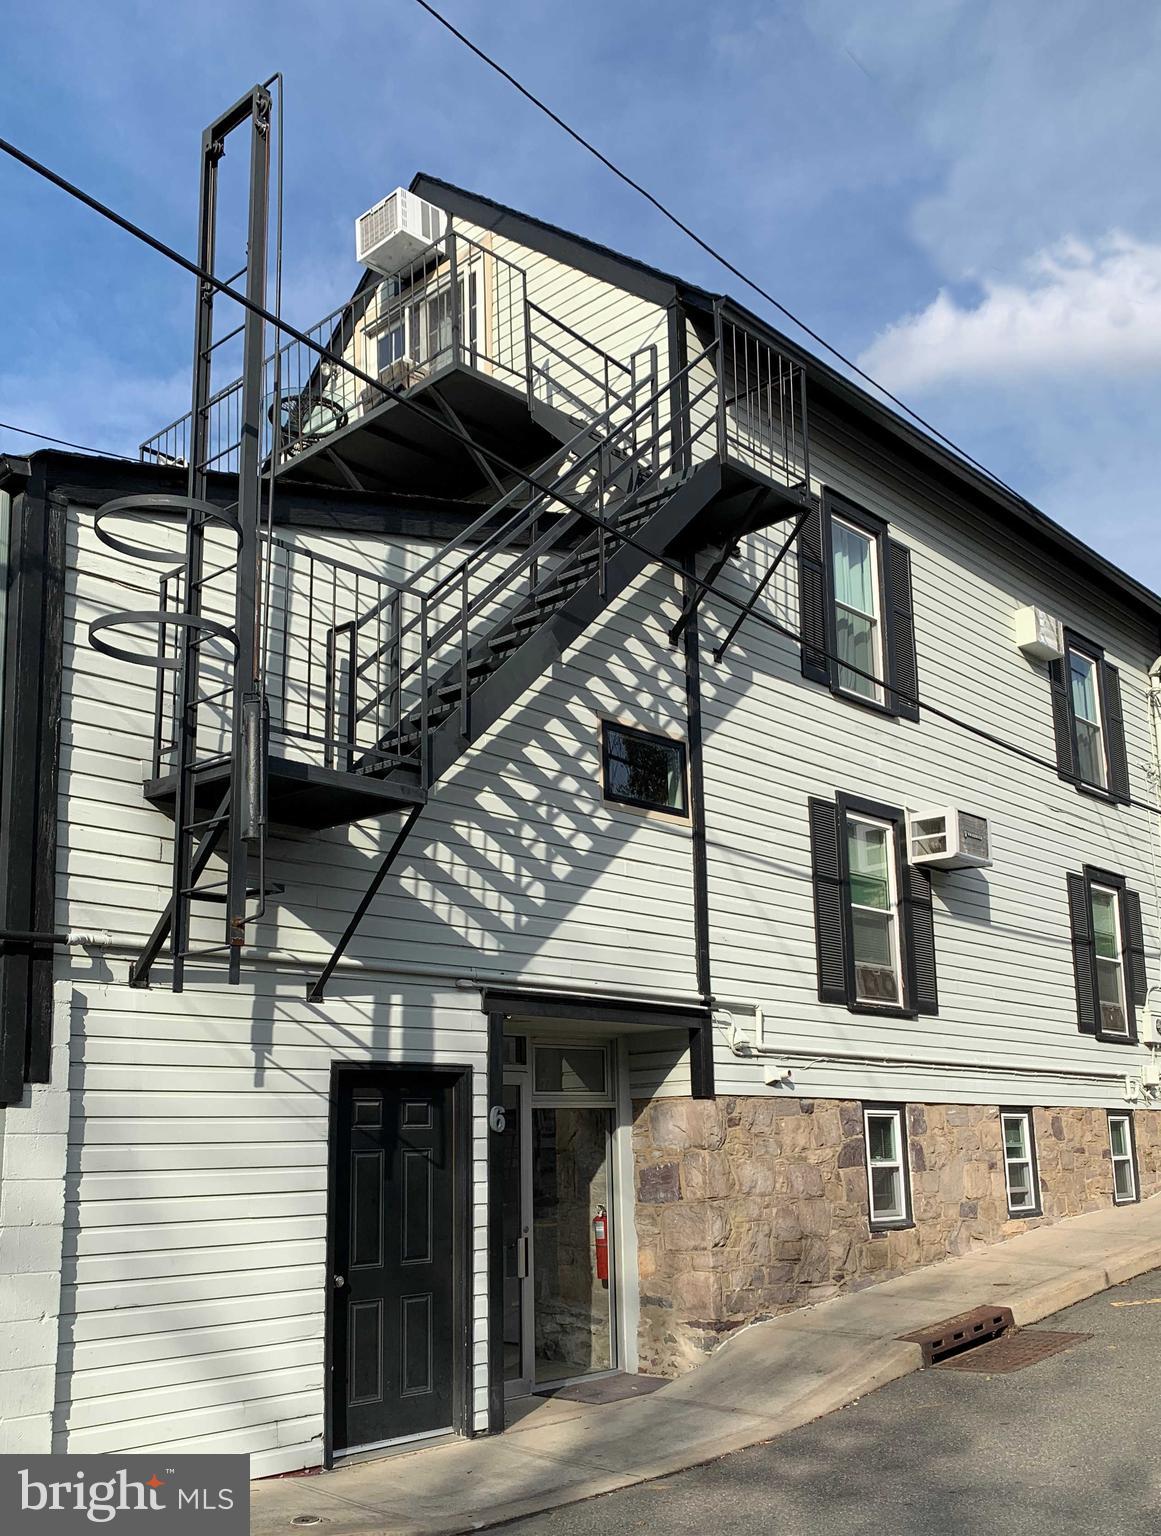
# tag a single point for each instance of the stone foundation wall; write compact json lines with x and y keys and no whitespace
{"x":747,"y":1207}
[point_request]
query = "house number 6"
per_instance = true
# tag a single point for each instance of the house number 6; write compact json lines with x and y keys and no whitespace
{"x":496,"y":1118}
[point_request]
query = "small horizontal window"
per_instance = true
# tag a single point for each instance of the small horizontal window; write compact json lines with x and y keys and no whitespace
{"x":644,"y":770}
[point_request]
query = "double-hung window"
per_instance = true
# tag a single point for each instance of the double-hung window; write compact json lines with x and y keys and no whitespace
{"x":887,"y":1183}
{"x":1020,"y":1178}
{"x":874,"y":904}
{"x":1108,"y":953}
{"x":1084,"y":687}
{"x":1110,"y":966}
{"x":1123,"y":1150}
{"x":1088,"y":720}
{"x":874,"y":921}
{"x":855,"y":608}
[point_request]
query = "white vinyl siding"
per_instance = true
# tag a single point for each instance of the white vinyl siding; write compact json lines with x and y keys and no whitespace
{"x":195,"y":1214}
{"x":1006,"y":1028}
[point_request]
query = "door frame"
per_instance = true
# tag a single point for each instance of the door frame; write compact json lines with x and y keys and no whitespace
{"x":611,"y":1016}
{"x":462,"y":1254}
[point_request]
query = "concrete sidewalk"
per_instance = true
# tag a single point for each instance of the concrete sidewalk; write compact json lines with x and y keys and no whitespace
{"x":767,"y":1379}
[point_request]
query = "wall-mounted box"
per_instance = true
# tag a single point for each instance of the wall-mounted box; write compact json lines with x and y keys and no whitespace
{"x":1038,"y":634}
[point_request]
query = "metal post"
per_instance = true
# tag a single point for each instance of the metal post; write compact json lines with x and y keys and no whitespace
{"x":453,"y":279}
{"x":247,"y":683}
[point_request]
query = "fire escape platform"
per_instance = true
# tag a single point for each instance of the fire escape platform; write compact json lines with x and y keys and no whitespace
{"x":388,"y":447}
{"x":747,"y":502}
{"x":301,"y":794}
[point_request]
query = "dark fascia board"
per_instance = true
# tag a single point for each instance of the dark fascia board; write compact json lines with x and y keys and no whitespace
{"x":597,"y":260}
{"x":652,"y":283}
{"x":88,"y":481}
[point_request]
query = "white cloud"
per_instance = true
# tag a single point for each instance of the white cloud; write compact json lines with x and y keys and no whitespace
{"x":1080,"y":310}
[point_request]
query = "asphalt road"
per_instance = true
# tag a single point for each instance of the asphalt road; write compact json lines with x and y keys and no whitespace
{"x":1071,"y":1444}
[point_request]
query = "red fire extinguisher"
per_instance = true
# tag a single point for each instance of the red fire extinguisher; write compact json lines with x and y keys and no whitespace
{"x":601,"y":1243}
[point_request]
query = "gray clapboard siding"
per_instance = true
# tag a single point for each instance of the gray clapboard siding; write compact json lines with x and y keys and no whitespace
{"x":1007,"y":999}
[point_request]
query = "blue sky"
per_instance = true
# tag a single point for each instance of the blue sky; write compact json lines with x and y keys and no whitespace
{"x":963,"y":194}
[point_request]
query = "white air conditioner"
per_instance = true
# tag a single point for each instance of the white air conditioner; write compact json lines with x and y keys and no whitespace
{"x":396,"y":231}
{"x":1038,"y":634}
{"x":947,"y":838}
{"x":1149,"y":1029}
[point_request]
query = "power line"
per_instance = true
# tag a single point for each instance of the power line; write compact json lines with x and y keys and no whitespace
{"x":465,"y":439}
{"x":63,"y":442}
{"x":717,"y":256}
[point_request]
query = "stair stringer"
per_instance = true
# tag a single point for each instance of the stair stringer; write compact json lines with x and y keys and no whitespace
{"x":516,"y":674}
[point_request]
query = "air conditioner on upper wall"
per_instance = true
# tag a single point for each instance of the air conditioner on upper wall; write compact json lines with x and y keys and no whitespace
{"x":948,"y":838}
{"x":396,"y":230}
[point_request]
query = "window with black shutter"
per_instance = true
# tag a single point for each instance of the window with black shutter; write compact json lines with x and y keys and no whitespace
{"x":874,"y":921}
{"x":856,"y":615}
{"x":1108,"y":954}
{"x":1088,"y":720}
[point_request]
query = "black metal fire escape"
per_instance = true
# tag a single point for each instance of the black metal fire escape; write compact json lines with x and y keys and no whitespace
{"x":643,"y":467}
{"x":226,"y":691}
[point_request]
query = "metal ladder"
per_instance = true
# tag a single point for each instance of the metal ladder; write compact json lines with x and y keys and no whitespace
{"x":235,"y":826}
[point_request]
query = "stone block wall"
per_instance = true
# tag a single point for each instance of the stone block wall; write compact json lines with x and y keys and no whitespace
{"x":747,"y":1207}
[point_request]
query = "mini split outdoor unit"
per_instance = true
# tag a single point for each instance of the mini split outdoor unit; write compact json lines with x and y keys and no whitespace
{"x":947,"y":838}
{"x":396,"y":231}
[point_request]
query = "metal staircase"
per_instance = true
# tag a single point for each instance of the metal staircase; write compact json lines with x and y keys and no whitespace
{"x":300,"y":688}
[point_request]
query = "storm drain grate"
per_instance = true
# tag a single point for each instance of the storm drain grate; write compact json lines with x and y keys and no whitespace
{"x":960,"y":1333}
{"x":1012,"y":1352}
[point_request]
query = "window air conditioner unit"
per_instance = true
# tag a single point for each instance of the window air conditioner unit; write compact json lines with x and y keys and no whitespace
{"x":396,"y":231}
{"x":947,"y":838}
{"x":1038,"y":634}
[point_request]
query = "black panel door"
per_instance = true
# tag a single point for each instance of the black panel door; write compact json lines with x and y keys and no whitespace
{"x":393,"y":1343}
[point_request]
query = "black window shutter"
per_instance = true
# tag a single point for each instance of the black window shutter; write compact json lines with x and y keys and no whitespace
{"x":1083,"y":961}
{"x":1062,"y":720}
{"x":1118,"y":757}
{"x":920,"y":919}
{"x":1138,"y":980}
{"x":903,"y":664}
{"x":813,"y":590}
{"x":829,"y":903}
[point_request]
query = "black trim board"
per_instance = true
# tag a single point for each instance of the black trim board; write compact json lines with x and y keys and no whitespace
{"x":29,"y":776}
{"x":463,"y":1257}
{"x":85,"y":480}
{"x":848,"y":399}
{"x":697,"y":1019}
{"x":701,"y":1041}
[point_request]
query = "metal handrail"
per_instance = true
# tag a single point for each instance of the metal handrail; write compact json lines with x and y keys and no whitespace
{"x":432,"y":640}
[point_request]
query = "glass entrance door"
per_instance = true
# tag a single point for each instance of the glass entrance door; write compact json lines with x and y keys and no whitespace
{"x":571,"y":1195}
{"x":558,"y":1210}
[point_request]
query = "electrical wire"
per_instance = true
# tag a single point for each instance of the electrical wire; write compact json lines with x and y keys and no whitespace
{"x":63,"y":442}
{"x":465,"y":439}
{"x":717,"y":255}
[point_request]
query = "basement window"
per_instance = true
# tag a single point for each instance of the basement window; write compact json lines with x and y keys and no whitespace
{"x":887,"y":1185}
{"x":1124,"y":1155}
{"x":644,"y":770}
{"x":1020,"y":1178}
